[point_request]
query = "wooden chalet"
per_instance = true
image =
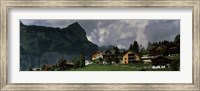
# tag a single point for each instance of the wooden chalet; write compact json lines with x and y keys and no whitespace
{"x":131,"y":57}
{"x":164,"y":50}
{"x":157,"y":50}
{"x":96,"y":55}
{"x":161,"y":62}
{"x":47,"y":67}
{"x":63,"y":64}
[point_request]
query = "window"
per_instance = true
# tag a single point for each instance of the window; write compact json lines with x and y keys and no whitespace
{"x":125,"y":58}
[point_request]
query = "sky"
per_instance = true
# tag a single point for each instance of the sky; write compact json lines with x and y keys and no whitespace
{"x":120,"y":33}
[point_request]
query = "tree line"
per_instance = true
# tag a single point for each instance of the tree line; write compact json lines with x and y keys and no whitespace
{"x":142,"y":51}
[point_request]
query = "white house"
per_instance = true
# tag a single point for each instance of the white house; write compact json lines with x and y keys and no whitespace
{"x":146,"y":59}
{"x":36,"y":69}
{"x":87,"y":62}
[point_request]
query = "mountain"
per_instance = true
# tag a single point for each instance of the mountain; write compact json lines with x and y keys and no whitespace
{"x":45,"y":45}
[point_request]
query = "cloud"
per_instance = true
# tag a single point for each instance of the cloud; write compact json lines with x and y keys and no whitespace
{"x":120,"y":33}
{"x":162,"y":30}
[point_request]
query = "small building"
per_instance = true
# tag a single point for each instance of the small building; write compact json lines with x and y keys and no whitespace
{"x":47,"y":67}
{"x":64,"y":65}
{"x":108,"y":54}
{"x":158,"y":50}
{"x":173,"y":49}
{"x":87,"y":62}
{"x":131,"y":57}
{"x":120,"y":55}
{"x":37,"y":69}
{"x":70,"y":62}
{"x":109,"y":57}
{"x":97,"y":55}
{"x":161,"y":62}
{"x":146,"y":59}
{"x":61,"y":62}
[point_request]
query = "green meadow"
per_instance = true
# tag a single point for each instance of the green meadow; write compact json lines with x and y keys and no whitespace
{"x":116,"y":67}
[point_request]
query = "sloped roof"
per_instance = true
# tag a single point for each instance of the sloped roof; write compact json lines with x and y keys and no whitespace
{"x":48,"y":65}
{"x":112,"y":51}
{"x":129,"y":51}
{"x":151,"y":47}
{"x":96,"y":52}
{"x":107,"y":51}
{"x":161,"y":59}
{"x":61,"y":61}
{"x":154,"y":47}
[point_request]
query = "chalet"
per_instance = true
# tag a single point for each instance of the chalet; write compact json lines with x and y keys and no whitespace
{"x":131,"y":57}
{"x":97,"y":55}
{"x":146,"y":59}
{"x":157,"y":50}
{"x":47,"y":67}
{"x":164,"y":50}
{"x":161,"y":62}
{"x":37,"y":69}
{"x":87,"y":62}
{"x":63,"y":64}
{"x":110,"y":55}
{"x":69,"y":62}
{"x":173,"y":49}
{"x":120,"y":54}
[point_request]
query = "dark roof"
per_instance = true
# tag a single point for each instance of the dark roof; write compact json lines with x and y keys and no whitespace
{"x":161,"y":60}
{"x":97,"y":52}
{"x":172,"y":46}
{"x":60,"y":61}
{"x":154,"y":47}
{"x":129,"y":51}
{"x":107,"y":51}
{"x":48,"y":65}
{"x":151,"y":47}
{"x":112,"y":51}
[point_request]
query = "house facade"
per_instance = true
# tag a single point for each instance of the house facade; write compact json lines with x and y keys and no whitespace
{"x":108,"y":56}
{"x":87,"y":62}
{"x":97,"y":55}
{"x":47,"y":67}
{"x":160,"y":62}
{"x":164,"y":50}
{"x":131,"y":57}
{"x":146,"y":59}
{"x":157,"y":50}
{"x":173,"y":49}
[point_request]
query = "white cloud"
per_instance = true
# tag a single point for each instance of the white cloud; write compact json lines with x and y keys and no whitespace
{"x":125,"y":35}
{"x":89,"y":38}
{"x":120,"y":33}
{"x":121,"y":46}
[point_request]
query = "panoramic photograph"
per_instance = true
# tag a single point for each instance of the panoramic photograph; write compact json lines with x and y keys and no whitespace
{"x":99,"y":45}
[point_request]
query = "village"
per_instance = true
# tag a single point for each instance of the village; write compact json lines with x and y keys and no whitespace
{"x":159,"y":56}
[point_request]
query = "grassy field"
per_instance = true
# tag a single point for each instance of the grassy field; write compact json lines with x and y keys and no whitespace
{"x":116,"y":67}
{"x":129,"y":67}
